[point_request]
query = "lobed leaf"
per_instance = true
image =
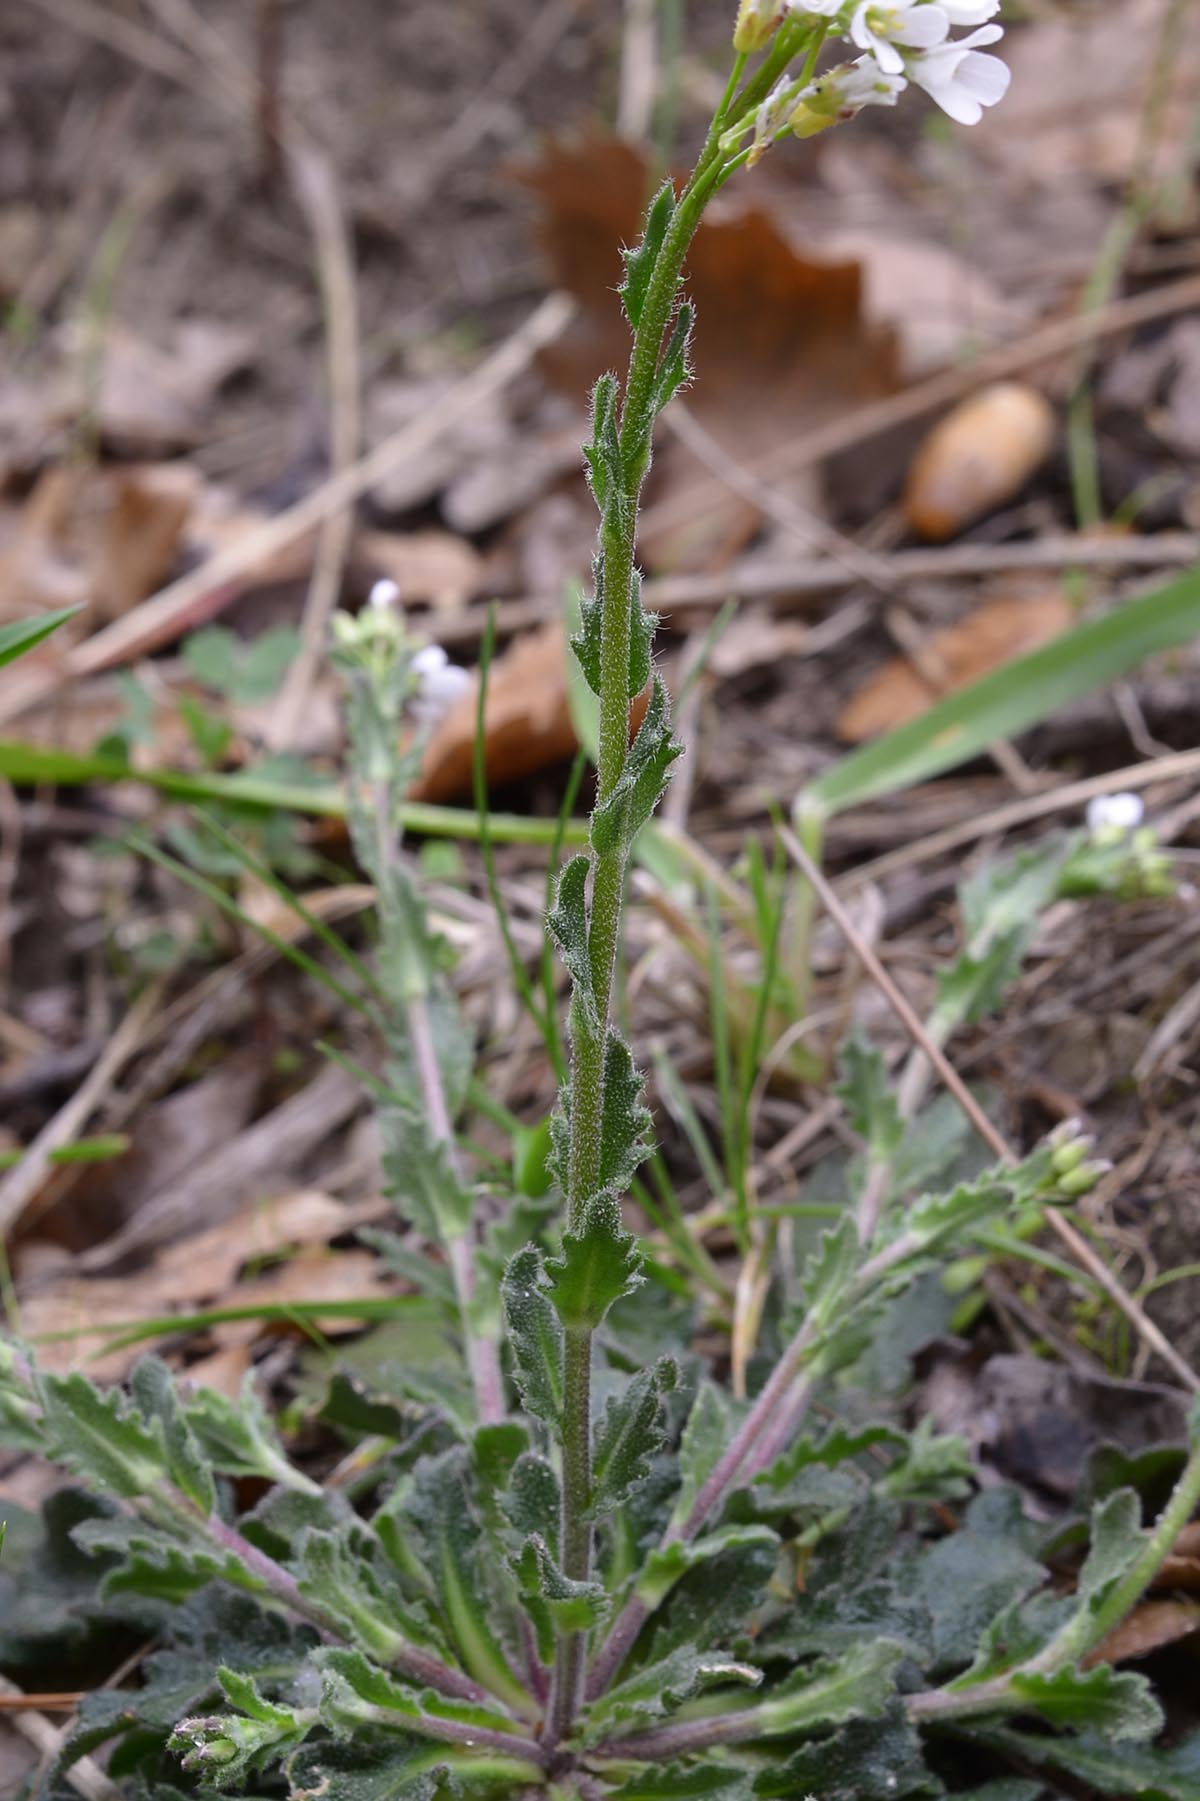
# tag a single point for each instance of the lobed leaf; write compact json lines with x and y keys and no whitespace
{"x":632,"y":1432}
{"x":600,"y":1263}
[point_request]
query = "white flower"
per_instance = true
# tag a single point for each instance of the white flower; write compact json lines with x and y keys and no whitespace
{"x":824,"y":9}
{"x":1115,"y":812}
{"x":383,"y":595}
{"x":961,"y":80}
{"x":969,"y":12}
{"x":842,"y":92}
{"x":879,"y":25}
{"x":441,"y":683}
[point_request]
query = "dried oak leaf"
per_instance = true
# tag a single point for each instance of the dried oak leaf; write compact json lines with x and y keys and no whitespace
{"x":527,"y":720}
{"x":978,"y":457}
{"x":782,"y":340}
{"x":991,"y":635}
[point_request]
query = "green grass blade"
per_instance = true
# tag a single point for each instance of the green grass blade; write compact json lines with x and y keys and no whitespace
{"x":24,"y":634}
{"x":27,"y":764}
{"x":1011,"y":699}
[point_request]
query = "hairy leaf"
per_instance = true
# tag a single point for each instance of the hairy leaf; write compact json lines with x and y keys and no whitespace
{"x":1121,"y":1770}
{"x":632,"y":1431}
{"x":599,"y":1263}
{"x":639,"y":263}
{"x":864,"y":1760}
{"x":710,"y":1426}
{"x":567,"y":921}
{"x":871,"y":1106}
{"x":1118,"y":1705}
{"x":658,"y":1688}
{"x":239,"y":1439}
{"x":669,"y":1564}
{"x":618,"y":819}
{"x":535,"y":1335}
{"x":556,"y":1603}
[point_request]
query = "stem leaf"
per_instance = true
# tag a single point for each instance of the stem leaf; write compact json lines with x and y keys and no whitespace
{"x":534,"y":1335}
{"x":632,"y":1431}
{"x":600,"y":1264}
{"x":639,"y":262}
{"x":642,"y":783}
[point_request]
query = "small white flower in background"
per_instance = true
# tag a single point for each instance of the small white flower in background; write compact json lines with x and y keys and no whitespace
{"x":441,"y":683}
{"x":959,"y":78}
{"x":384,"y":594}
{"x":1115,"y":813}
{"x":879,"y":27}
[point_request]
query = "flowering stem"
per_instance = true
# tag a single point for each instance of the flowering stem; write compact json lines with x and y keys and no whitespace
{"x":483,"y":1356}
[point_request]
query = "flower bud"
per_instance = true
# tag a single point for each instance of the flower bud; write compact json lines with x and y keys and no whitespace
{"x":1083,"y":1178}
{"x":842,"y":92}
{"x":1069,"y":1155}
{"x":757,"y":23}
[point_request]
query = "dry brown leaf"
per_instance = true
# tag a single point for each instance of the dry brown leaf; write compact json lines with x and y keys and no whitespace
{"x":312,"y":1276}
{"x":527,"y":724}
{"x":937,"y":304}
{"x":140,"y":530}
{"x":432,"y":566}
{"x":781,"y":338}
{"x":1151,"y":1626}
{"x":198,"y":1271}
{"x":990,"y":636}
{"x":138,"y":398}
{"x":978,"y":457}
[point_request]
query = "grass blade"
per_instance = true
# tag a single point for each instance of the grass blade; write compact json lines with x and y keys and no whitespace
{"x":24,"y":634}
{"x":1011,"y":699}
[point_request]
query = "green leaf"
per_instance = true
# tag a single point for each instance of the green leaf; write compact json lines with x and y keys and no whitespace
{"x":632,"y":1431}
{"x":675,"y":367}
{"x":841,"y":1444}
{"x":1123,"y":1770}
{"x":154,"y":1392}
{"x":970,"y":1577}
{"x":346,"y":1574}
{"x":155,"y":1564}
{"x":855,"y":1686}
{"x":357,"y":1693}
{"x":586,"y":642}
{"x":668,"y":1564}
{"x":639,"y":263}
{"x":535,"y":1335}
{"x":709,"y":1428}
{"x":1001,"y":905}
{"x":688,"y":1782}
{"x":532,"y":1500}
{"x":878,"y":1759}
{"x":21,"y":635}
{"x":366,"y":1769}
{"x":603,"y":454}
{"x":871,"y":1107}
{"x":1117,"y":1542}
{"x":225,"y":1748}
{"x":100,"y":1437}
{"x":441,"y":1506}
{"x":658,"y":1688}
{"x":567,"y":921}
{"x":618,"y":819}
{"x":1120,"y":1706}
{"x":600,"y":1263}
{"x":933,"y":1467}
{"x":829,"y":1272}
{"x":556,"y":1603}
{"x":1010,"y":699}
{"x":420,"y":1179}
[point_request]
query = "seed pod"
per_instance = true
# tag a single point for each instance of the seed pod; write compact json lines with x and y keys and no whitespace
{"x":977,"y":457}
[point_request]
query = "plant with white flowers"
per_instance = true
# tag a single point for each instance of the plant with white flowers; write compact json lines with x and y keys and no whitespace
{"x":565,"y":1556}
